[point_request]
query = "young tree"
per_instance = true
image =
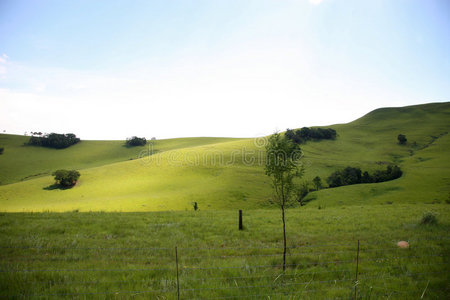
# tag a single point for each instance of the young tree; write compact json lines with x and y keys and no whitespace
{"x":317,"y":181}
{"x":282,"y":165}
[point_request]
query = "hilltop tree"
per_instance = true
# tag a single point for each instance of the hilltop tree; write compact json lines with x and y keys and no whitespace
{"x":53,"y":140}
{"x":136,"y":141}
{"x":282,"y":166}
{"x":402,"y":139}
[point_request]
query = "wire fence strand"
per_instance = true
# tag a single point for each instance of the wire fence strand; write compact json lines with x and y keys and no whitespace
{"x":205,"y":272}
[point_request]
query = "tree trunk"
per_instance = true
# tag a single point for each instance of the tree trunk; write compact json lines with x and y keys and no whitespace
{"x":284,"y":239}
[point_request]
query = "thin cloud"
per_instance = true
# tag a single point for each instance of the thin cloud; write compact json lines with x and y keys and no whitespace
{"x":3,"y":60}
{"x":315,"y":2}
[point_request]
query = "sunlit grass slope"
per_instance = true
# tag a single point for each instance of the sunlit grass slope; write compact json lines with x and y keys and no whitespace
{"x":371,"y":142}
{"x":19,"y":162}
{"x":211,"y":175}
{"x":230,"y":174}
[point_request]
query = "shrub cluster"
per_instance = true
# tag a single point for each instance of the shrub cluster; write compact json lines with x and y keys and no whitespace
{"x":54,"y":140}
{"x":351,"y":175}
{"x":66,"y":178}
{"x":136,"y":141}
{"x":305,"y":134}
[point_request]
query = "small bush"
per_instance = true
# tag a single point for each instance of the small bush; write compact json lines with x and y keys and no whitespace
{"x":429,"y":218}
{"x":402,"y":139}
{"x":1,"y":150}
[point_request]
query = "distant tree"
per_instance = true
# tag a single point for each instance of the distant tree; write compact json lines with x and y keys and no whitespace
{"x":402,"y":139}
{"x":305,"y":134}
{"x":153,"y":139}
{"x":66,"y":178}
{"x":335,"y":179}
{"x":351,"y":175}
{"x":1,"y":150}
{"x":395,"y":172}
{"x":53,"y":140}
{"x":282,"y":166}
{"x":301,"y":191}
{"x":391,"y":173}
{"x":317,"y":181}
{"x":136,"y":141}
{"x":290,"y":134}
{"x":366,"y":178}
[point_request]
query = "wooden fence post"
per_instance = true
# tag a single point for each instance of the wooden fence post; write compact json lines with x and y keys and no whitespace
{"x":178,"y":280}
{"x":241,"y":227}
{"x":356,"y":275}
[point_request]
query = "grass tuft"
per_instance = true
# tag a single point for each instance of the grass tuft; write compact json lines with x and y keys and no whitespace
{"x":429,"y":218}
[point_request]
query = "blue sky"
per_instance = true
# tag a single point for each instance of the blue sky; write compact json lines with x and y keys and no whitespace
{"x":112,"y":69}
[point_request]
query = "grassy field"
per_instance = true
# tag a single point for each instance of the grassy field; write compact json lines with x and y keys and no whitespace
{"x":132,"y":255}
{"x":119,"y":226}
{"x":228,"y":173}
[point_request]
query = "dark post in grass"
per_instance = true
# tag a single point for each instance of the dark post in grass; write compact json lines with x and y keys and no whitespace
{"x":178,"y":280}
{"x":357,"y":265}
{"x":241,"y":227}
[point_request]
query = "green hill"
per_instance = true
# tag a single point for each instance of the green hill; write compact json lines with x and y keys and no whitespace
{"x":228,"y":173}
{"x":21,"y":162}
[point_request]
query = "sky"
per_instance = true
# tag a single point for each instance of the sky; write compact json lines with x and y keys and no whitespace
{"x":237,"y":68}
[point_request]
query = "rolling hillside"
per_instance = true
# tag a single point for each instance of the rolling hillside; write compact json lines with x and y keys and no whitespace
{"x":26,"y":162}
{"x":228,"y":173}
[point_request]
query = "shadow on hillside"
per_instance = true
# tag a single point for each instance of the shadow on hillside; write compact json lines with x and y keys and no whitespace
{"x":55,"y":186}
{"x":129,"y":146}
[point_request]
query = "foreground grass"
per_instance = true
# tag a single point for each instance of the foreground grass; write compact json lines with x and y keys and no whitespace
{"x":117,"y":255}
